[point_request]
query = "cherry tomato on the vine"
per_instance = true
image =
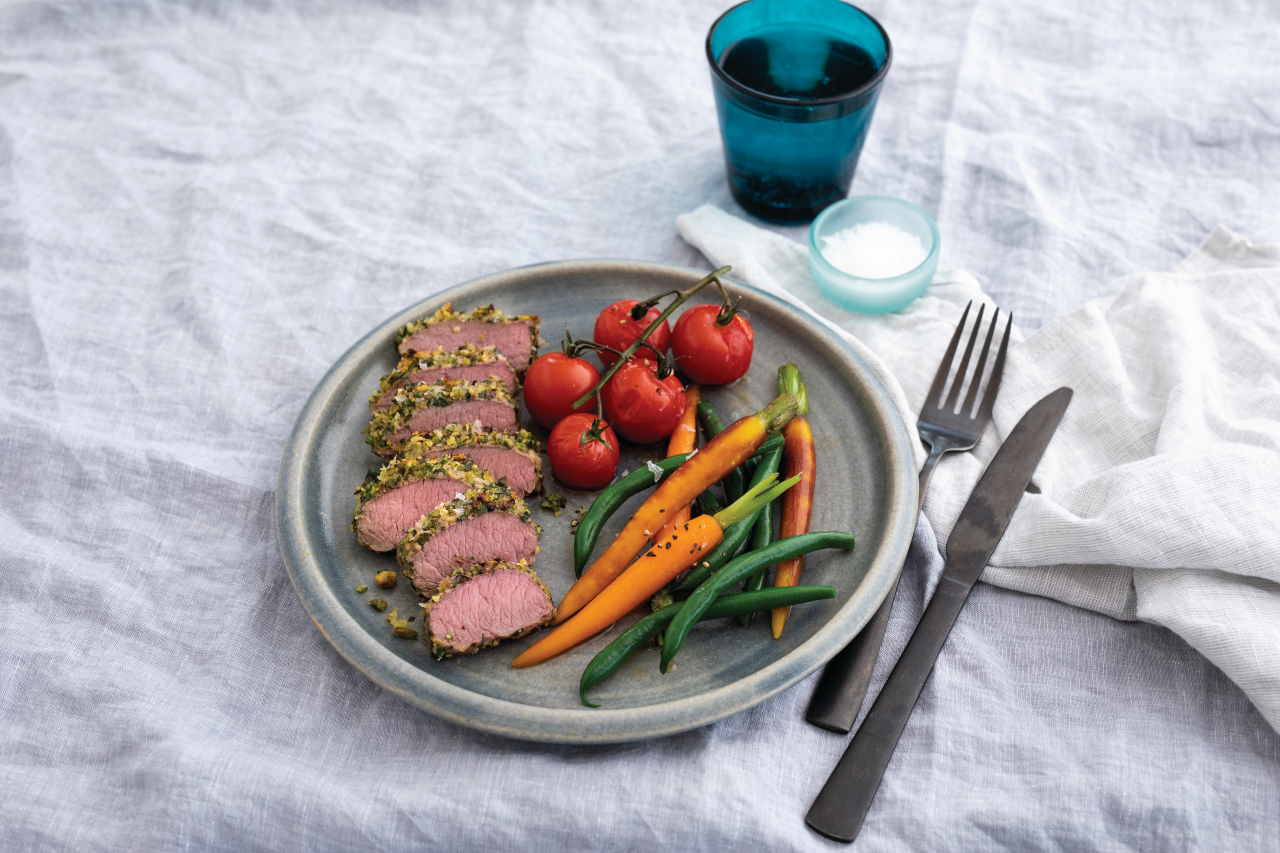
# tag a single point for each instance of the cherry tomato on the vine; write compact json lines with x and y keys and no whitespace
{"x":641,"y":407}
{"x":615,"y":327}
{"x":553,"y":382}
{"x":709,"y":353}
{"x":583,"y":451}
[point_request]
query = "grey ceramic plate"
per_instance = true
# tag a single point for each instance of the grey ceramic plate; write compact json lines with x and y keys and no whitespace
{"x":866,"y":484}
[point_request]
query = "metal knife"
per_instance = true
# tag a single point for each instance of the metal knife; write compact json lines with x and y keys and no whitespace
{"x":842,"y":804}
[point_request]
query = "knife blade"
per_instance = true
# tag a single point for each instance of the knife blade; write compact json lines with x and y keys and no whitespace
{"x":843,"y":802}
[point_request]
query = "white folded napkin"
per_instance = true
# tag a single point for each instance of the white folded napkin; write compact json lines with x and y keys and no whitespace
{"x":1159,"y":492}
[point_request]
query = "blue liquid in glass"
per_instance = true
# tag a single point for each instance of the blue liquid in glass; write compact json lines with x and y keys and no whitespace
{"x":789,"y":160}
{"x":798,"y":62}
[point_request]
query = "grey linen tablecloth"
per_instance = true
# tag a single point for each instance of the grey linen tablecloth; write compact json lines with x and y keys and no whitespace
{"x":202,"y":206}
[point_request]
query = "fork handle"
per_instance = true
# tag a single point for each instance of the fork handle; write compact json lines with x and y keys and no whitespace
{"x":926,"y":473}
{"x":843,"y":687}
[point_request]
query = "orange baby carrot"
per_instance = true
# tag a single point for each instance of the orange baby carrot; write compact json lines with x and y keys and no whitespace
{"x":658,"y":567}
{"x":798,"y":459}
{"x":721,"y":455}
{"x":651,"y":572}
{"x":683,"y":440}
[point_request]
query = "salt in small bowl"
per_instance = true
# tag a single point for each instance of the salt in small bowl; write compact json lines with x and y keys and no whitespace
{"x":873,"y":295}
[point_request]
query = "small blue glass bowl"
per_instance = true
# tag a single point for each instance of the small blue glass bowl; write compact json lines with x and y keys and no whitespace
{"x":873,"y":295}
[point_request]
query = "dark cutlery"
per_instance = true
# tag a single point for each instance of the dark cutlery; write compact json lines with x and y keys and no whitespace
{"x":843,"y":686}
{"x":842,"y":804}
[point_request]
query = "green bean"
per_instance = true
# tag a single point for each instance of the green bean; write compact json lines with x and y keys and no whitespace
{"x":735,"y":483}
{"x":735,"y":539}
{"x":606,"y":663}
{"x":753,"y":584}
{"x":706,"y":503}
{"x":773,"y":441}
{"x":710,"y":419}
{"x":761,"y":532}
{"x":608,"y":501}
{"x":735,"y":535}
{"x":738,"y":570}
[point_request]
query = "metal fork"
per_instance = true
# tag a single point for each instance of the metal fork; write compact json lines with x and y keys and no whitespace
{"x":944,"y":427}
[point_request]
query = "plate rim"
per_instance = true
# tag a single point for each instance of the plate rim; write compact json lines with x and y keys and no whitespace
{"x":584,"y":725}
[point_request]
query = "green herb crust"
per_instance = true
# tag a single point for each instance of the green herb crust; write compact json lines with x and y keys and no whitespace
{"x":489,"y":497}
{"x":440,"y":647}
{"x":411,"y":398}
{"x":400,"y":626}
{"x":464,"y":356}
{"x":399,"y":471}
{"x":483,"y":314}
{"x":554,"y":502}
{"x":420,"y":444}
{"x":450,"y":437}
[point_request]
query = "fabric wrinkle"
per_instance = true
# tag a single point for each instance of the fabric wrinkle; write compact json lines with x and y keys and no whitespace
{"x":203,"y":205}
{"x":1136,"y":477}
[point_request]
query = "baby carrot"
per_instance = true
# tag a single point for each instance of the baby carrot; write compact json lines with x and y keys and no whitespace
{"x":657,"y":568}
{"x":798,"y":459}
{"x":607,"y":662}
{"x":721,"y":455}
{"x":608,"y":501}
{"x":683,"y":439}
{"x":735,"y":482}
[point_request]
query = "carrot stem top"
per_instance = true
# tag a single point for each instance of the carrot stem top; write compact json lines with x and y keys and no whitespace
{"x":778,"y":413}
{"x":756,"y":498}
{"x":789,"y":382}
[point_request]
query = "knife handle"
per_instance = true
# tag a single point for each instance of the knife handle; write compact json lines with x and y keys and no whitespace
{"x":838,"y":697}
{"x":842,"y":804}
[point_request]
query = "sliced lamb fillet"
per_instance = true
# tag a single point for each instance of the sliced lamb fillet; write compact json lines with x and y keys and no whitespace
{"x":514,"y":340}
{"x":482,"y":605}
{"x":487,"y":523}
{"x":499,"y":371}
{"x":514,"y":337}
{"x":522,"y":473}
{"x":423,"y":408}
{"x":513,"y":457}
{"x":392,"y":501}
{"x":467,"y":363}
{"x":496,"y":536}
{"x":500,"y":417}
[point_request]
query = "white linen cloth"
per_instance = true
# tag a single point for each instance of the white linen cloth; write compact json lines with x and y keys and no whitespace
{"x":1158,"y":492}
{"x":204,"y":203}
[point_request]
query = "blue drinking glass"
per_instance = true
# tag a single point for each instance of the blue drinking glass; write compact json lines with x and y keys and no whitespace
{"x":796,"y":83}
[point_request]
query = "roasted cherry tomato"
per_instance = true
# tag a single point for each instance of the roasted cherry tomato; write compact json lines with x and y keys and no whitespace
{"x":583,"y":451}
{"x":709,"y":352}
{"x":553,"y":382}
{"x":641,"y":405}
{"x":617,"y":327}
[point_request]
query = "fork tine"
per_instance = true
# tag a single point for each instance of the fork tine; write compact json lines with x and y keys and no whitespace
{"x":934,"y":399}
{"x":982,"y":364}
{"x":989,"y":399}
{"x":964,"y":363}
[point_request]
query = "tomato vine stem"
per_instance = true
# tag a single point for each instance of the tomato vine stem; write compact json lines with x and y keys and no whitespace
{"x":683,"y":297}
{"x":641,"y":308}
